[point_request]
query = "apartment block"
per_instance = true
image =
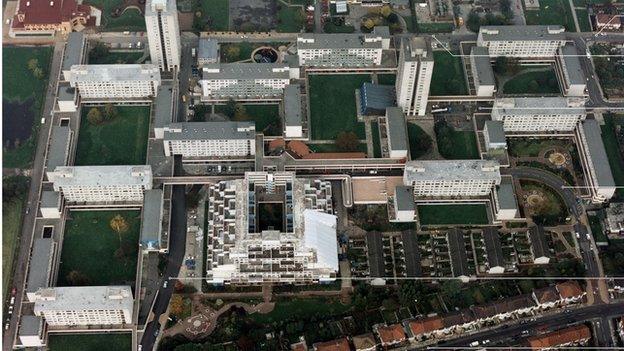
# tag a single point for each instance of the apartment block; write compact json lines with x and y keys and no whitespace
{"x":534,"y":41}
{"x":494,"y":136}
{"x":293,"y":112}
{"x":245,"y":81}
{"x":102,"y":184}
{"x":341,"y":50}
{"x":210,"y":139}
{"x":596,"y":168}
{"x":569,"y":71}
{"x":482,"y":72}
{"x":452,"y":178}
{"x":539,"y":114}
{"x":85,"y":305}
{"x":414,"y":74}
{"x":163,"y":33}
{"x":115,"y":81}
{"x":74,"y":54}
{"x":396,"y":132}
{"x":40,"y":271}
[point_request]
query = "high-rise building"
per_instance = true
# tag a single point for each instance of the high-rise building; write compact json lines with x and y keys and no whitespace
{"x":539,"y":114}
{"x":210,"y":139}
{"x":522,"y":41}
{"x":163,"y":33}
{"x":414,"y":75}
{"x":101,"y":82}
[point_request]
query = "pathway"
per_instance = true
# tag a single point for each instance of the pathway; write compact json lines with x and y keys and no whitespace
{"x":576,"y":22}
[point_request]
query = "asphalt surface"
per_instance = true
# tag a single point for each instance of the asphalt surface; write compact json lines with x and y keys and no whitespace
{"x":510,"y":334}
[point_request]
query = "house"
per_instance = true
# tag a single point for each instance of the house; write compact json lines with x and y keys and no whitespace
{"x":390,"y":335}
{"x":419,"y":329}
{"x":334,"y":345}
{"x":570,"y":292}
{"x":365,"y":342}
{"x":571,"y":336}
{"x":547,"y":297}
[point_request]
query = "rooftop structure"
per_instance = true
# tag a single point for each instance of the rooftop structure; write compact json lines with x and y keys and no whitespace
{"x":535,"y":41}
{"x":58,"y":150}
{"x":293,"y":112}
{"x":32,"y":331}
{"x":391,"y":334}
{"x":365,"y":342}
{"x":341,"y":344}
{"x":210,"y":139}
{"x":494,"y":251}
{"x":340,"y":49}
{"x":539,"y":247}
{"x":539,"y":114}
{"x":459,"y":256}
{"x":596,"y":167}
{"x":151,"y":220}
{"x":396,"y":133}
{"x":494,"y":135}
{"x":51,"y":204}
{"x":415,"y":69}
{"x":482,"y":72}
{"x":505,"y":202}
{"x":163,"y":109}
{"x":118,"y":81}
{"x":40,"y":267}
{"x":75,"y":52}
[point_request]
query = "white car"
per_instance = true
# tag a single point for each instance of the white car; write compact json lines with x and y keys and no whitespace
{"x":165,"y":284}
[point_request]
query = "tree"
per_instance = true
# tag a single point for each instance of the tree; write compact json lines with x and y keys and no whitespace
{"x":232,"y":52}
{"x":240,"y":113}
{"x":33,"y":63}
{"x":347,"y":142}
{"x":119,"y":225}
{"x":94,"y":116}
{"x":410,"y":292}
{"x":110,"y":112}
{"x":500,"y":66}
{"x":368,"y":24}
{"x":77,"y":278}
{"x":176,"y":305}
{"x":13,"y":187}
{"x":385,"y":11}
{"x":99,"y":51}
{"x":230,"y":108}
{"x":451,"y":289}
{"x":473,"y":22}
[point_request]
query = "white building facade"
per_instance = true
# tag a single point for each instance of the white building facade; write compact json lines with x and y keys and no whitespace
{"x":522,"y":41}
{"x":414,"y":76}
{"x":596,"y":167}
{"x":210,"y":139}
{"x":340,"y":50}
{"x":539,"y":115}
{"x":115,"y":81}
{"x":245,"y":81}
{"x":163,"y":33}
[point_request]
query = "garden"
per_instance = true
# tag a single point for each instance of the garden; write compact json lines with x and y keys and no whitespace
{"x":468,"y":214}
{"x":90,"y":342}
{"x":455,"y":144}
{"x":448,"y":75}
{"x":544,"y":205}
{"x":552,"y":12}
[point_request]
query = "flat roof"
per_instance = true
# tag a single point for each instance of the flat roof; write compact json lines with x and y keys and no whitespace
{"x":40,"y":264}
{"x":451,"y":170}
{"x":338,"y":41}
{"x":457,"y":252}
{"x":374,"y":189}
{"x":412,"y":254}
{"x":397,"y":130}
{"x":245,"y":71}
{"x":73,"y":50}
{"x":572,"y":62}
{"x":58,"y":151}
{"x":151,"y":221}
{"x":376,"y":98}
{"x":538,"y":241}
{"x":77,"y":298}
{"x":65,"y":92}
{"x":483,"y":67}
{"x":163,"y":105}
{"x":374,"y":245}
{"x":404,"y":196}
{"x":101,"y":176}
{"x":495,"y":132}
{"x":50,"y":199}
{"x":538,"y":105}
{"x":493,"y":247}
{"x":292,"y":105}
{"x":523,"y":33}
{"x":30,"y":325}
{"x":116,"y":72}
{"x":416,"y":49}
{"x":506,"y":194}
{"x":210,"y":130}
{"x":597,"y":152}
{"x":208,"y":49}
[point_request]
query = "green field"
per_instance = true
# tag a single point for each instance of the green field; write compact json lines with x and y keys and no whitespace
{"x":92,"y":248}
{"x":452,"y":214}
{"x":320,"y":148}
{"x":90,"y":342}
{"x":23,"y":96}
{"x":290,"y":19}
{"x":332,"y":105}
{"x":448,"y":75}
{"x":266,"y":118}
{"x":552,"y":12}
{"x":12,"y":212}
{"x":419,"y":141}
{"x":131,"y":19}
{"x":583,"y":20}
{"x":122,"y":141}
{"x":435,"y":27}
{"x":616,"y":160}
{"x":376,"y":140}
{"x":456,"y":144}
{"x":329,"y":27}
{"x":216,"y":13}
{"x":116,"y":58}
{"x":300,"y":309}
{"x":533,"y":82}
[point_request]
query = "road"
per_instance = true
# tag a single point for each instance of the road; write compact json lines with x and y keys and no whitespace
{"x":512,"y":333}
{"x":36,"y":178}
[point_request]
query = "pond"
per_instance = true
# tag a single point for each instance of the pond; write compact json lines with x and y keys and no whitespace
{"x":17,"y":121}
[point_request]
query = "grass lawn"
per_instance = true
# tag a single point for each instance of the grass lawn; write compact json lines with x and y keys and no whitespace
{"x":448,"y":75}
{"x":452,"y":214}
{"x":122,"y":141}
{"x":435,"y":27}
{"x":90,"y":342}
{"x":533,"y":82}
{"x":117,"y":58}
{"x":332,"y":148}
{"x":290,"y":19}
{"x":12,"y":212}
{"x":552,"y":12}
{"x":386,"y":79}
{"x":583,"y":20}
{"x":22,"y":101}
{"x":376,"y":141}
{"x":130,"y":20}
{"x":597,"y":231}
{"x":332,"y":28}
{"x":616,"y":160}
{"x":523,"y":147}
{"x":301,"y":309}
{"x":216,"y":13}
{"x":419,"y":141}
{"x":332,"y":105}
{"x":90,"y":246}
{"x":456,"y":144}
{"x":266,"y":117}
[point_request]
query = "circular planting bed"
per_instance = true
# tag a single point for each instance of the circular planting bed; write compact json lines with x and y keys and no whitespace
{"x":556,"y":158}
{"x":265,"y":54}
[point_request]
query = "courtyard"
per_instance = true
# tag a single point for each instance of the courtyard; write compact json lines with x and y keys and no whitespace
{"x":464,"y":214}
{"x":90,"y":342}
{"x":448,"y":75}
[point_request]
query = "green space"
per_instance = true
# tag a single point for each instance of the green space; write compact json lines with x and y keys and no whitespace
{"x":25,"y":76}
{"x":215,"y":15}
{"x":609,"y":70}
{"x":611,"y":130}
{"x":410,"y":25}
{"x":549,"y":209}
{"x":330,"y":27}
{"x":290,"y":19}
{"x":583,"y":20}
{"x":375,"y":218}
{"x":233,"y":52}
{"x":448,"y":75}
{"x":361,"y":147}
{"x":119,"y":141}
{"x":94,"y":253}
{"x":612,"y":258}
{"x":14,"y":192}
{"x":386,"y":79}
{"x":332,"y":105}
{"x":90,"y":342}
{"x":598,"y":232}
{"x":300,"y":309}
{"x":522,"y":147}
{"x":452,"y":214}
{"x":130,"y":20}
{"x":116,"y":57}
{"x":435,"y":27}
{"x":266,"y":117}
{"x":419,"y":141}
{"x":552,"y":12}
{"x":583,"y":3}
{"x":376,"y":140}
{"x":533,"y":82}
{"x":455,"y":144}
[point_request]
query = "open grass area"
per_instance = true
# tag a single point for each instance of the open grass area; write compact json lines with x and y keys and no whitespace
{"x":116,"y":58}
{"x":597,"y":231}
{"x":583,"y":20}
{"x":333,"y":148}
{"x":435,"y":27}
{"x":448,"y":75}
{"x":301,"y":309}
{"x":12,"y":212}
{"x":533,"y":82}
{"x":386,"y":79}
{"x":329,"y":27}
{"x":452,"y":214}
{"x":550,"y":210}
{"x":524,"y":147}
{"x":290,"y":19}
{"x":419,"y":141}
{"x":216,"y":14}
{"x":121,"y":141}
{"x":100,"y":255}
{"x":266,"y":118}
{"x":456,"y":144}
{"x":22,"y":101}
{"x":616,"y":160}
{"x":332,"y":105}
{"x":376,"y":140}
{"x":90,"y":342}
{"x":130,"y":20}
{"x":552,"y":12}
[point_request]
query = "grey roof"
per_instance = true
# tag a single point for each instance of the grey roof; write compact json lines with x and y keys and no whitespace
{"x":506,"y":195}
{"x":208,"y":49}
{"x":78,"y":298}
{"x":116,"y":72}
{"x":101,"y":176}
{"x":383,"y":31}
{"x":151,"y":218}
{"x":375,"y":98}
{"x":163,"y":106}
{"x":493,"y":247}
{"x":457,"y":251}
{"x":58,"y":151}
{"x":538,"y":242}
{"x":66,"y":92}
{"x":597,"y":152}
{"x":404,"y":196}
{"x":337,"y":41}
{"x":572,"y":62}
{"x":50,"y":199}
{"x":417,"y":48}
{"x":246,"y":71}
{"x":210,"y":130}
{"x":74,"y":50}
{"x":30,"y":325}
{"x":397,"y":130}
{"x":413,"y":267}
{"x":521,"y":106}
{"x":495,"y":132}
{"x":40,"y":267}
{"x":423,"y":170}
{"x":375,"y":254}
{"x":292,"y":105}
{"x":525,"y":33}
{"x":483,"y":67}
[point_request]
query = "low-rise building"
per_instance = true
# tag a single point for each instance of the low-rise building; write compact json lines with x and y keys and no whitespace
{"x":608,"y":21}
{"x":208,"y":51}
{"x":396,"y":133}
{"x":67,"y":99}
{"x":365,"y":342}
{"x":51,"y":205}
{"x":539,"y":115}
{"x":341,"y":344}
{"x":40,"y":267}
{"x":596,"y":168}
{"x":74,"y":54}
{"x":245,"y":81}
{"x":547,"y":297}
{"x":293,"y":112}
{"x":425,"y":328}
{"x":535,"y":41}
{"x":85,"y":305}
{"x":614,"y":218}
{"x":493,"y":251}
{"x":59,"y":147}
{"x":37,"y":18}
{"x":539,"y":246}
{"x":390,"y":335}
{"x":570,"y":336}
{"x":210,"y":139}
{"x":569,"y":71}
{"x":151,"y":221}
{"x":115,"y":82}
{"x":404,"y":205}
{"x":504,"y":200}
{"x":376,"y":98}
{"x":482,"y":72}
{"x":341,"y":50}
{"x":494,"y":136}
{"x":163,"y":109}
{"x":458,"y":255}
{"x":32,"y":331}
